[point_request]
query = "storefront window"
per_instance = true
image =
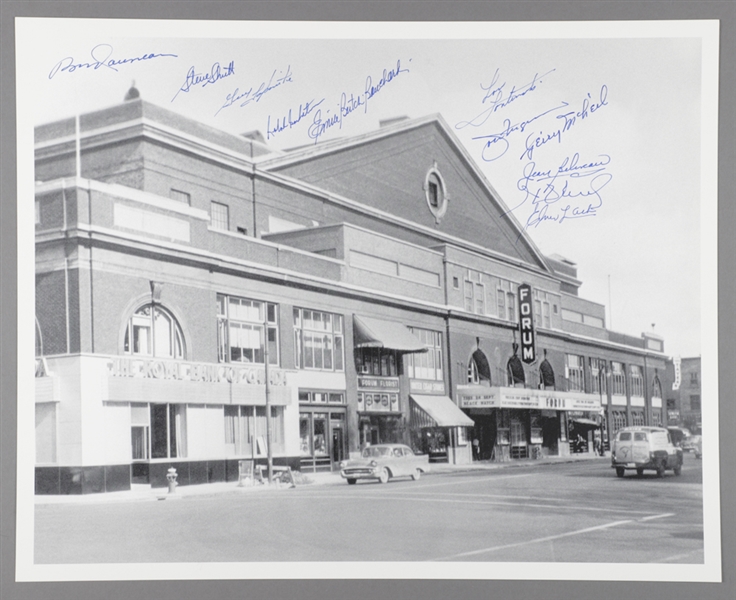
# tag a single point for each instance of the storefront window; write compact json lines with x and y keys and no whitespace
{"x":244,"y":425}
{"x":318,"y":340}
{"x":153,"y":331}
{"x":168,"y":431}
{"x":240,"y":330}
{"x":426,"y":365}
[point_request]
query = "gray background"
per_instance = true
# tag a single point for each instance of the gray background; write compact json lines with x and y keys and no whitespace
{"x":458,"y":10}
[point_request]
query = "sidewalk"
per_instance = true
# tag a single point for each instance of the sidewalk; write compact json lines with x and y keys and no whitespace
{"x":144,"y":493}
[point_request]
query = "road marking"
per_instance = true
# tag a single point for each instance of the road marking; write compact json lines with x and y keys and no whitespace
{"x":652,"y":517}
{"x":534,"y":541}
{"x":396,"y":496}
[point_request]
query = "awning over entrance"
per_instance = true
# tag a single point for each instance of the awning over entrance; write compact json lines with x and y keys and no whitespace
{"x":437,"y":411}
{"x":586,"y":423}
{"x":375,"y":333}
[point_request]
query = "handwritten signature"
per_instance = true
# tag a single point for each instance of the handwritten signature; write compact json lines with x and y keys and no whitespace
{"x":497,"y":143}
{"x":292,"y":118}
{"x":101,"y":54}
{"x":589,"y":107}
{"x":571,"y":191}
{"x":252,"y":95}
{"x":349,"y":104}
{"x":216,"y":73}
{"x":497,"y":98}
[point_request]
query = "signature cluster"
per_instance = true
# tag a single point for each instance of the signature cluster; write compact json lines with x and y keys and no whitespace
{"x":571,"y":189}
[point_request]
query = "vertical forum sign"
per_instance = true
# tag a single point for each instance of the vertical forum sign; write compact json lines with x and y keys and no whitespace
{"x":526,"y":324}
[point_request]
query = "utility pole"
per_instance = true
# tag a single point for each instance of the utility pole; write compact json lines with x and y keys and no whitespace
{"x":268,"y":394}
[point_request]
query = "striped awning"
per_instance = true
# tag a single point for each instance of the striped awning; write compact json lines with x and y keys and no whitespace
{"x":375,"y":333}
{"x":437,"y":411}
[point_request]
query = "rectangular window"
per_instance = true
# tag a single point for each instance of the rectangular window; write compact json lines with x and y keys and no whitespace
{"x":219,"y":216}
{"x":468,"y":288}
{"x":180,"y":196}
{"x":376,"y":361}
{"x":574,"y":365}
{"x":637,"y":381}
{"x":618,"y":378}
{"x":694,"y":402}
{"x":637,"y":418}
{"x":511,"y":307}
{"x":542,"y":309}
{"x":694,"y":378}
{"x":240,"y":330}
{"x":619,"y":420}
{"x":318,"y":340}
{"x":598,"y":381}
{"x":426,"y":365}
{"x":168,"y":431}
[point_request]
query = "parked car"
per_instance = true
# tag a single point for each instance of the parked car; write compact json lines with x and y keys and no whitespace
{"x":693,"y":444}
{"x":384,"y":461}
{"x":641,"y":448}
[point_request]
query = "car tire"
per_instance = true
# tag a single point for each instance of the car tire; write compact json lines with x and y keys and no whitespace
{"x":639,"y":472}
{"x":678,"y":470}
{"x":384,"y":476}
{"x":660,"y":469}
{"x":620,"y":471}
{"x":352,"y":481}
{"x":416,"y":474}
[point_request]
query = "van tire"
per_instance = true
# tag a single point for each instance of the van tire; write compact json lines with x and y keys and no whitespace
{"x":620,"y":471}
{"x":639,"y":472}
{"x":678,"y":470}
{"x":660,"y":469}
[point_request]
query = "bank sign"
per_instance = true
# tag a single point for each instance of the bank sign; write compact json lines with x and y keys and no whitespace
{"x":526,"y":324}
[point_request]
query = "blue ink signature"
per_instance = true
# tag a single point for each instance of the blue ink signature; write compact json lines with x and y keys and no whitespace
{"x":571,"y":191}
{"x":349,"y":104}
{"x":100,"y":58}
{"x":289,"y":120}
{"x":570,"y":119}
{"x":496,"y":99}
{"x":496,"y":143}
{"x":255,"y":96}
{"x":204,"y":79}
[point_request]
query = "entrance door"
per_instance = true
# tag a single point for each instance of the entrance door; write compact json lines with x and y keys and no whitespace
{"x":315,"y":440}
{"x":518,"y":439}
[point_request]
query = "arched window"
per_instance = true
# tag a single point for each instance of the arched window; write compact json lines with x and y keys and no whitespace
{"x":153,"y":331}
{"x":656,"y":388}
{"x":479,"y":371}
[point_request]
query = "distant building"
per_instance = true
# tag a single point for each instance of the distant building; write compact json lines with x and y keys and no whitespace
{"x":683,"y":394}
{"x":201,"y":298}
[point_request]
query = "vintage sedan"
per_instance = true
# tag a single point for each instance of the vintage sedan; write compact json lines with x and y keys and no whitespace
{"x":384,"y":461}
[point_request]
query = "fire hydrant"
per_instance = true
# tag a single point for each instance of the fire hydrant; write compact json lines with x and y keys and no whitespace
{"x":171,"y":476}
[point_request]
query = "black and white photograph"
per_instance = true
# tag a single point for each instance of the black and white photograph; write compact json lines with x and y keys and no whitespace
{"x":367,"y":300}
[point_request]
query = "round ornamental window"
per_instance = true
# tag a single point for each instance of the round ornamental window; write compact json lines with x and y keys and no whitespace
{"x":436,"y":193}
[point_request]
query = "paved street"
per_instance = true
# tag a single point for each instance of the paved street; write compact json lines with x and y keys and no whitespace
{"x":576,"y":512}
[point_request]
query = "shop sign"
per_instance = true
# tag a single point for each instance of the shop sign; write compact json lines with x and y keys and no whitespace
{"x":479,"y":400}
{"x":526,"y":324}
{"x":203,"y":372}
{"x":378,"y":383}
{"x":677,"y":363}
{"x":418,"y":385}
{"x":545,"y":399}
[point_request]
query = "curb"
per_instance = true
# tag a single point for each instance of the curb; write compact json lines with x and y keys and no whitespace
{"x":314,"y":479}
